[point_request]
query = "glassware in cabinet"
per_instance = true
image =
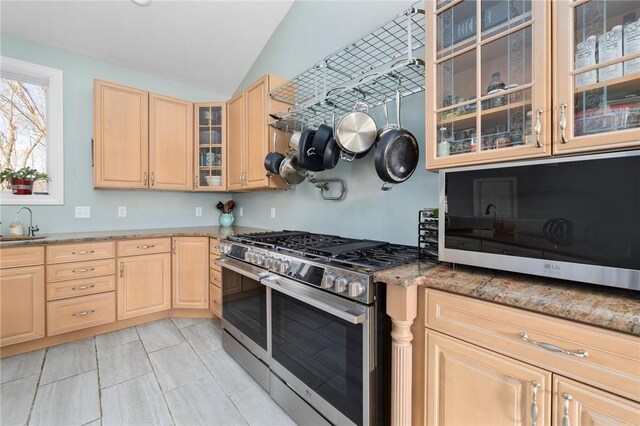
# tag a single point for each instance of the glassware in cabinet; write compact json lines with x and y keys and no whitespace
{"x":210,"y":161}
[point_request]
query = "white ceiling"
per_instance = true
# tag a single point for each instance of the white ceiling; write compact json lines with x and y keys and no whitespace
{"x":208,"y":44}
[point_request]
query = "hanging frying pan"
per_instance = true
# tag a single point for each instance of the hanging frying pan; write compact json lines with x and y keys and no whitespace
{"x":397,"y":153}
{"x":307,"y":157}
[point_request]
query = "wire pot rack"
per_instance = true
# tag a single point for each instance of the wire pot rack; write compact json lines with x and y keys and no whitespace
{"x":370,"y":69}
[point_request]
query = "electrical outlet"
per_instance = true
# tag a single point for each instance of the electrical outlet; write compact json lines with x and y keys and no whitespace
{"x":273,"y":212}
{"x":122,"y":211}
{"x":83,"y":212}
{"x":241,"y":212}
{"x":198,"y":211}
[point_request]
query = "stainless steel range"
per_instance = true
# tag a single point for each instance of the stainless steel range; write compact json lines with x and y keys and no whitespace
{"x":302,"y":314}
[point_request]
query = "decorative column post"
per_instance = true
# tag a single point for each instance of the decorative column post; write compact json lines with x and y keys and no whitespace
{"x":402,"y":306}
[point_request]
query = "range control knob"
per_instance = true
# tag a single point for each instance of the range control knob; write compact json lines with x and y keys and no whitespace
{"x":284,"y":266}
{"x":341,"y":285}
{"x":276,"y":264}
{"x":327,"y":281}
{"x":247,"y":256}
{"x":356,"y":288}
{"x":260,"y":259}
{"x":267,"y":262}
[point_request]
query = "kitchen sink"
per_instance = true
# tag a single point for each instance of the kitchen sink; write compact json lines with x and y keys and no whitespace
{"x":20,"y":238}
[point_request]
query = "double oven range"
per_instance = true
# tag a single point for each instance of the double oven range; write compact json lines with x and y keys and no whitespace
{"x":303,"y":316}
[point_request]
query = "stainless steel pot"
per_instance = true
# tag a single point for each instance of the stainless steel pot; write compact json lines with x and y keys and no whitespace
{"x":291,"y":172}
{"x":356,"y":132}
{"x":294,"y":142}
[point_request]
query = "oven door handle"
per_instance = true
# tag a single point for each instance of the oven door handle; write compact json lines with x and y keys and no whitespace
{"x":242,"y":268}
{"x":338,"y":310}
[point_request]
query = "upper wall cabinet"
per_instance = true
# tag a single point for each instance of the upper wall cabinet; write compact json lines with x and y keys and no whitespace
{"x":249,"y":139}
{"x":488,"y":81}
{"x":120,"y":134}
{"x":142,"y":140}
{"x":210,"y":154}
{"x":597,"y":75}
{"x":170,"y":143}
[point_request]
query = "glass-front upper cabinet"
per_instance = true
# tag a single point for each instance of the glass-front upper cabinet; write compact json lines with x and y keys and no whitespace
{"x":488,"y":81}
{"x":597,"y":78}
{"x":210,"y":158}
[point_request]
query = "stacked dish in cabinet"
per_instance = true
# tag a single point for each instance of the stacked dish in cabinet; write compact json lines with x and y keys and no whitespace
{"x":428,"y":234}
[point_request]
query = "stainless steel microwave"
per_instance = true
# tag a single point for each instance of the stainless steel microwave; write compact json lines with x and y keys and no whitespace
{"x":574,"y":218}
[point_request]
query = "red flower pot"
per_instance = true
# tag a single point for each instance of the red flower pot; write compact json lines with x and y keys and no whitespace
{"x":21,"y":187}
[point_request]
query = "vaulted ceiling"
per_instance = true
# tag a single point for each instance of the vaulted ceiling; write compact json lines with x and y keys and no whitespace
{"x":208,"y":44}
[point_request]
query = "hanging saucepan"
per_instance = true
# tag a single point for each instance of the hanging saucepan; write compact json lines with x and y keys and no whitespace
{"x":322,"y":136}
{"x":291,"y":172}
{"x":272,"y":162}
{"x":397,"y":153}
{"x":356,"y":132}
{"x":331,"y":154}
{"x":294,"y":142}
{"x":307,"y":157}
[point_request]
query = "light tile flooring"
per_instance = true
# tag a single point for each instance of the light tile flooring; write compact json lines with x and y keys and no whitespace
{"x":168,"y":372}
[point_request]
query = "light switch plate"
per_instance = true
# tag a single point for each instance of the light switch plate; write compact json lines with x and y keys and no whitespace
{"x":241,"y":212}
{"x":83,"y":212}
{"x":122,"y":211}
{"x":273,"y":212}
{"x":198,"y":211}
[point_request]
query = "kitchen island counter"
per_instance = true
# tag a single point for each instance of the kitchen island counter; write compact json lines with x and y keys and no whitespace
{"x":605,"y":307}
{"x":79,"y":237}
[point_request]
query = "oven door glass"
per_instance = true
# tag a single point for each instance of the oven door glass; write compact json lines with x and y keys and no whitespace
{"x":323,"y":351}
{"x":244,"y":306}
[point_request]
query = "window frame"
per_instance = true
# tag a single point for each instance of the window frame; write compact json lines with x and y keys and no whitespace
{"x":20,"y":70}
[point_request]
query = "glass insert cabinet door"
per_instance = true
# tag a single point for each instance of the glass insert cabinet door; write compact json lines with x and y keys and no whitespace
{"x":597,"y":89}
{"x":210,"y":137}
{"x":488,"y":81}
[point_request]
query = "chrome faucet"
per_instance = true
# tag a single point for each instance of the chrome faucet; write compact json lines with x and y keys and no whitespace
{"x":31,"y":230}
{"x":495,"y":211}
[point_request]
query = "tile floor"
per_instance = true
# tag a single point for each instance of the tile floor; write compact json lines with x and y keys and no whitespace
{"x":168,"y":372}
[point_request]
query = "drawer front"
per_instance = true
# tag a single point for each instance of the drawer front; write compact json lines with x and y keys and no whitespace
{"x":213,"y":246}
{"x":215,"y":300}
{"x":77,"y":313}
{"x":80,"y":252}
{"x":144,"y":246}
{"x":215,"y":278}
{"x":612,"y":361}
{"x":21,"y":256}
{"x":77,"y":270}
{"x":66,"y":289}
{"x":212,"y":262}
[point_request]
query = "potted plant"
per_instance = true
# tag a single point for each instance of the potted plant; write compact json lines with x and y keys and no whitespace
{"x":22,"y":180}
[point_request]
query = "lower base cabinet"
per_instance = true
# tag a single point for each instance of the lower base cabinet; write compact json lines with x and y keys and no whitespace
{"x":144,"y":285}
{"x":577,"y":404}
{"x":467,"y":385}
{"x":191,"y":272}
{"x":22,"y":304}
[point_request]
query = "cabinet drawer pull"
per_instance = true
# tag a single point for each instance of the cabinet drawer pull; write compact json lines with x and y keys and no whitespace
{"x":553,"y":348}
{"x":534,"y":403}
{"x":538,"y":128}
{"x":83,"y":252}
{"x":563,"y":123}
{"x":146,"y":246}
{"x":565,"y":416}
{"x":82,"y":270}
{"x":153,"y":178}
{"x":83,"y":313}
{"x":121,"y":269}
{"x":145,"y":178}
{"x":83,"y":287}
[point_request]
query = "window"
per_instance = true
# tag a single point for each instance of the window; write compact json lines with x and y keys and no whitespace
{"x":31,"y":133}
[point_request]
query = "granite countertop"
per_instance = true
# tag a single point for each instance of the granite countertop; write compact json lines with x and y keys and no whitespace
{"x":78,"y":237}
{"x":605,"y":307}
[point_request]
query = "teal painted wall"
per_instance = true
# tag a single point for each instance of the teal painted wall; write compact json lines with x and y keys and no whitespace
{"x":145,"y":209}
{"x":310,"y":31}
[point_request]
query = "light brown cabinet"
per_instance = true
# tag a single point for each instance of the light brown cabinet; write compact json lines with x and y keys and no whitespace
{"x":491,"y":94}
{"x":141,"y":140}
{"x":576,"y":404}
{"x":144,"y":285}
{"x":22,"y":304}
{"x":249,"y":137}
{"x":596,"y":107}
{"x":120,"y":136}
{"x":482,"y":363}
{"x":77,"y":313}
{"x":191,"y":272}
{"x":170,"y":143}
{"x":211,"y":153}
{"x":472,"y":386}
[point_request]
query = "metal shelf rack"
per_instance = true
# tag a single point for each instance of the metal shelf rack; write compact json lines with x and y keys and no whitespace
{"x":370,"y":69}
